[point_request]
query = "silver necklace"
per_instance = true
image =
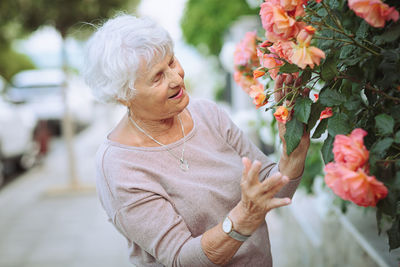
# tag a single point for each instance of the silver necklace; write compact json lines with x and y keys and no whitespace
{"x":184,"y":165}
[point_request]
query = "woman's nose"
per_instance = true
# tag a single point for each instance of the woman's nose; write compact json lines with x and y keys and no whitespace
{"x":176,"y":78}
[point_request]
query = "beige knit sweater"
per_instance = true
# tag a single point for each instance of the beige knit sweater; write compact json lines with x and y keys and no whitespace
{"x":163,"y":211}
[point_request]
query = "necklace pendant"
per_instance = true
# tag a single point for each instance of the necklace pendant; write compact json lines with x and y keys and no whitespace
{"x":184,"y":165}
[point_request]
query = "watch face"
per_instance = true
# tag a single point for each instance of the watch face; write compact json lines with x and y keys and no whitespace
{"x":227,"y":225}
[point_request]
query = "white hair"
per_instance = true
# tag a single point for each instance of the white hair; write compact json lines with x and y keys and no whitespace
{"x":115,"y":52}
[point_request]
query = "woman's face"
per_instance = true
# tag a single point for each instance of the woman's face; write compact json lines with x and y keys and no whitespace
{"x":160,"y":91}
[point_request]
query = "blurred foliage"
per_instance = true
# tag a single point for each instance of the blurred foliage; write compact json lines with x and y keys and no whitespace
{"x":29,"y":15}
{"x":313,"y":167}
{"x":19,"y":18}
{"x":205,"y":21}
{"x":12,"y":62}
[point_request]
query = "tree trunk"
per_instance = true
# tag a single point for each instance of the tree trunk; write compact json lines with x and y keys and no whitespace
{"x":67,"y":124}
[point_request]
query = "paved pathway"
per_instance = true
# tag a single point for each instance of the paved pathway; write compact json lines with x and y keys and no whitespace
{"x":68,"y":229}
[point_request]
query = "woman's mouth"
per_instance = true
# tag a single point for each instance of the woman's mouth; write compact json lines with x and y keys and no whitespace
{"x":177,"y":95}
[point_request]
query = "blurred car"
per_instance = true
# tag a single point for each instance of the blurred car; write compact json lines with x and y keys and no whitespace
{"x":17,"y":136}
{"x":42,"y":91}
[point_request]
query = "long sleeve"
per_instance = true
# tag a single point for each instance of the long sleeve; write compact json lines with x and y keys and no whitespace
{"x":147,"y":218}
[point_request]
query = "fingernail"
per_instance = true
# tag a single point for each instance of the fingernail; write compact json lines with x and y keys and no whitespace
{"x":288,"y":201}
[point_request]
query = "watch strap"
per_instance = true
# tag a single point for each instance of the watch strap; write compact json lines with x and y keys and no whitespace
{"x":235,"y":235}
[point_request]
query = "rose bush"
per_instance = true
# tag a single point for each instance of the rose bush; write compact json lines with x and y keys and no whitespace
{"x":347,"y":52}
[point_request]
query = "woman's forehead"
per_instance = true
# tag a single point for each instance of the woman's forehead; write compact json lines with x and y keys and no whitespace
{"x":147,"y":67}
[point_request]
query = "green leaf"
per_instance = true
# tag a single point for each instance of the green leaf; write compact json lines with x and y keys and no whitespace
{"x":353,"y":103}
{"x":321,"y":128}
{"x":397,"y":137}
{"x":389,"y":35}
{"x":305,"y":76}
{"x":328,"y":69}
{"x":362,"y":30}
{"x":294,"y":132}
{"x":302,"y":109}
{"x":316,"y":109}
{"x":384,"y":124}
{"x":338,"y":124}
{"x":380,"y":147}
{"x":326,"y":150}
{"x":330,"y":98}
{"x":289,"y":68}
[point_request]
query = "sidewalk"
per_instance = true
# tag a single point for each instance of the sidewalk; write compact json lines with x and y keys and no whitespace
{"x":67,"y":230}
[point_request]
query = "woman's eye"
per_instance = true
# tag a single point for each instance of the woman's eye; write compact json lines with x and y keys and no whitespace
{"x":157,"y":78}
{"x":172,"y":62}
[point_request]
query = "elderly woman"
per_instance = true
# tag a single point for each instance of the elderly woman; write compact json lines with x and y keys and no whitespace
{"x":176,"y":177}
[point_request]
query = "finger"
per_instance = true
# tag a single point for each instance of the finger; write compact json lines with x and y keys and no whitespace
{"x":246,"y":167}
{"x":254,"y":172}
{"x":278,"y":202}
{"x":297,"y":82}
{"x":289,"y":79}
{"x":272,"y":191}
{"x":277,"y":180}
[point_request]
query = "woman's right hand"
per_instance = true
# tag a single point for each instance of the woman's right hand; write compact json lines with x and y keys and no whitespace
{"x":257,"y":198}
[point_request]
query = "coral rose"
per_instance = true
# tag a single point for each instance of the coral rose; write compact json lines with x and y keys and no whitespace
{"x":258,"y":95}
{"x":355,"y":186}
{"x":375,"y":12}
{"x":277,"y":23}
{"x":326,"y":113}
{"x":244,"y":81}
{"x":271,"y":62}
{"x":303,"y":56}
{"x":350,"y":150}
{"x":282,"y":114}
{"x":282,"y":49}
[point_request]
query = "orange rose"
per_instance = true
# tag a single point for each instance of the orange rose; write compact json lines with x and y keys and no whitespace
{"x":258,"y":95}
{"x":374,"y":12}
{"x":303,"y":56}
{"x":326,"y":113}
{"x":350,"y":150}
{"x":305,"y":36}
{"x":282,"y":114}
{"x":355,"y":186}
{"x":257,"y":73}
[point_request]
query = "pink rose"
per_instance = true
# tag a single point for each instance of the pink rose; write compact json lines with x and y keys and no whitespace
{"x":355,"y":186}
{"x":245,"y":52}
{"x":350,"y":150}
{"x":271,"y":62}
{"x":375,"y":12}
{"x":282,"y":49}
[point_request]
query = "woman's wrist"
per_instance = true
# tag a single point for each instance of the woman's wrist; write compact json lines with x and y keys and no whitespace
{"x":243,"y":222}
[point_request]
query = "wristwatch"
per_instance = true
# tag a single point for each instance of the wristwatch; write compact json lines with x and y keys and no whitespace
{"x":227,"y":227}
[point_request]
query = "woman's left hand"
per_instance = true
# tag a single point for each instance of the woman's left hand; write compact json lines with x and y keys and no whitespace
{"x":292,"y":165}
